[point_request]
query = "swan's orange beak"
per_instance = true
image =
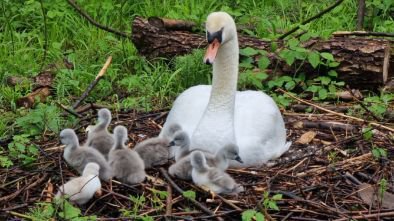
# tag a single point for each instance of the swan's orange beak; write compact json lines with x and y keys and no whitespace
{"x":212,"y":50}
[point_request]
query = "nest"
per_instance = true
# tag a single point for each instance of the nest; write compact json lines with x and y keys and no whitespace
{"x":323,"y":177}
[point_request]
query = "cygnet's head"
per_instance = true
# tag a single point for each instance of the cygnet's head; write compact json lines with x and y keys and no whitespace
{"x":120,"y":134}
{"x":231,"y":152}
{"x":173,"y":128}
{"x":68,"y":137}
{"x":91,"y":169}
{"x":198,"y":160}
{"x":220,"y":28}
{"x":180,"y":139}
{"x":104,"y":116}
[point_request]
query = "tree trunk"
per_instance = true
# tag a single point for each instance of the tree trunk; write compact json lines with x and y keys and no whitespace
{"x":364,"y":62}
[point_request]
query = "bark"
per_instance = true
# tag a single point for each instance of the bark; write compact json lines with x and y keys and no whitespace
{"x":364,"y":62}
{"x":360,"y":14}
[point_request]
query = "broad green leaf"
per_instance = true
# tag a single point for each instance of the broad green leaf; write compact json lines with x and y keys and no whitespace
{"x":277,"y":197}
{"x":247,"y":215}
{"x":259,"y":217}
{"x":327,"y":56}
{"x":263,"y":62}
{"x":333,"y":73}
{"x":248,"y":51}
{"x":272,"y":205}
{"x":190,"y":194}
{"x":293,"y":43}
{"x":313,"y":88}
{"x":333,"y":64}
{"x":290,"y":85}
{"x":323,"y":94}
{"x":314,"y":59}
{"x":325,"y":80}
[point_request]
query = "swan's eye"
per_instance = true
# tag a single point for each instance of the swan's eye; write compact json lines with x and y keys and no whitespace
{"x":215,"y":35}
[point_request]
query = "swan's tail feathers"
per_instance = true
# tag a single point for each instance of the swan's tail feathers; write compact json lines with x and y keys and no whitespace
{"x":287,"y":145}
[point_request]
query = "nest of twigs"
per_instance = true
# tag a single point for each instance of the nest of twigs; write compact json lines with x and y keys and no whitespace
{"x":325,"y":185}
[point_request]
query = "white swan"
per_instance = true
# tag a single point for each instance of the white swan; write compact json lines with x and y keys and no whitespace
{"x":219,"y":114}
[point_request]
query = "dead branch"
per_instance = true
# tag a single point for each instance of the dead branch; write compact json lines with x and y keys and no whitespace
{"x":360,"y":14}
{"x":93,"y":22}
{"x":303,"y":108}
{"x":179,"y":190}
{"x":367,"y":216}
{"x":363,"y":33}
{"x":171,"y":24}
{"x":68,"y":110}
{"x":336,"y":113}
{"x":94,"y":82}
{"x":29,"y":100}
{"x":311,"y":19}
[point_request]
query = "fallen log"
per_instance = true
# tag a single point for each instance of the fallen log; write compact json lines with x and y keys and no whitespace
{"x":364,"y":62}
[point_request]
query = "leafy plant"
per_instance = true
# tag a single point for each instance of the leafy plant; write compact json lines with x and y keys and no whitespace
{"x":41,"y":119}
{"x":189,"y":194}
{"x":378,"y":152}
{"x":270,"y":202}
{"x":21,"y":149}
{"x":383,"y":185}
{"x":249,"y":215}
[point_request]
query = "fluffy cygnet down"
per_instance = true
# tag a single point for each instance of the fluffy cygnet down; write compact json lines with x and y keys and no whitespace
{"x":181,"y":140}
{"x":156,"y":151}
{"x":183,"y":168}
{"x":81,"y":189}
{"x":126,"y":164}
{"x":79,"y":156}
{"x":98,"y":135}
{"x":213,"y":178}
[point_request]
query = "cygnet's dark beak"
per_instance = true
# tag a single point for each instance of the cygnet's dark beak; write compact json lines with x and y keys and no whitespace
{"x":238,"y":158}
{"x":172,"y":143}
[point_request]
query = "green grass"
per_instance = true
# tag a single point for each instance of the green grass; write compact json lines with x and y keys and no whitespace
{"x":132,"y":81}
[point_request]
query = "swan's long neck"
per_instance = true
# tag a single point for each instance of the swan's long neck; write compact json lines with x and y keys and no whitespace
{"x":225,"y":76}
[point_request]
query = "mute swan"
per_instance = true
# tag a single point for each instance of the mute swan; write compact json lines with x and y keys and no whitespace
{"x":79,"y":156}
{"x":183,"y":168}
{"x":215,"y":179}
{"x":126,"y":164}
{"x":219,"y":114}
{"x":156,"y":150}
{"x":81,"y":189}
{"x":98,"y":135}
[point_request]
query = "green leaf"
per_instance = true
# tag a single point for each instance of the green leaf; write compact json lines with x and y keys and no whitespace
{"x":248,"y":51}
{"x":263,"y":62}
{"x":367,"y":133}
{"x":293,"y":43}
{"x":259,"y":217}
{"x":314,"y":59}
{"x":272,"y":205}
{"x":51,"y":14}
{"x":323,"y":94}
{"x":334,"y":64}
{"x":277,"y":196}
{"x":333,"y":73}
{"x":190,"y":194}
{"x":290,"y":85}
{"x":325,"y":80}
{"x":261,"y":76}
{"x":247,"y":215}
{"x":313,"y":88}
{"x":327,"y":56}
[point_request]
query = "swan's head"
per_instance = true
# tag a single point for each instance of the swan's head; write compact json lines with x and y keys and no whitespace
{"x":220,"y":28}
{"x":104,"y":116}
{"x":68,"y":137}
